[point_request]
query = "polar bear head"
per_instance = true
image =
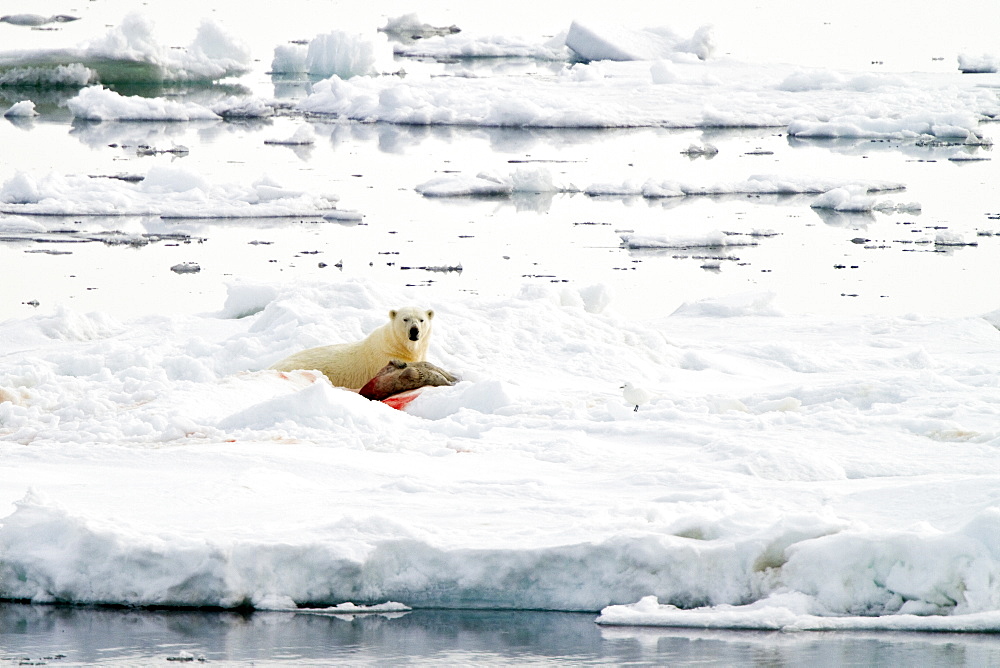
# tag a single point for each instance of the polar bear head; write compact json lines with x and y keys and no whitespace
{"x":411,"y":323}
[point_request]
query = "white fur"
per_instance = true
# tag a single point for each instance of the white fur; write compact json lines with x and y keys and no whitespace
{"x":352,"y":365}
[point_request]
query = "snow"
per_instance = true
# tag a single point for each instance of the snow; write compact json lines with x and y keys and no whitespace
{"x":174,"y":192}
{"x":487,"y":184}
{"x":303,"y":136}
{"x":338,"y":53}
{"x":72,"y":75}
{"x":610,"y":42}
{"x":541,"y":180}
{"x":289,"y":59}
{"x":789,"y":471}
{"x":493,"y":46}
{"x":715,"y":93}
{"x":716,"y":239}
{"x":982,"y":64}
{"x":22,"y":109}
{"x":97,"y":103}
{"x":345,"y":55}
{"x":130,"y":52}
{"x":960,"y":126}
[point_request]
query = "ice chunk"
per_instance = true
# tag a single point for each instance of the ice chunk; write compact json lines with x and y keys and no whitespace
{"x":97,"y":103}
{"x":984,"y":64}
{"x":609,"y":42}
{"x":346,"y":55}
{"x":289,"y":59}
{"x":22,"y":109}
{"x":304,"y":135}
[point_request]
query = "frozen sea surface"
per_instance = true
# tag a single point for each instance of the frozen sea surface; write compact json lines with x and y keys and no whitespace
{"x":791,"y":244}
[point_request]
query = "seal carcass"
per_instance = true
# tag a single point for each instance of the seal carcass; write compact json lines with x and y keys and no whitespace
{"x":398,"y":376}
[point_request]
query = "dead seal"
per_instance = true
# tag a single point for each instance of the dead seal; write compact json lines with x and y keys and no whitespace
{"x":398,"y":376}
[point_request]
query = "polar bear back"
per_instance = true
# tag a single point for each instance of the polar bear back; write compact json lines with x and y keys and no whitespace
{"x":354,"y":364}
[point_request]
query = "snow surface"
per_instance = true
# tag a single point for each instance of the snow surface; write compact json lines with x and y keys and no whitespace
{"x":845,"y":466}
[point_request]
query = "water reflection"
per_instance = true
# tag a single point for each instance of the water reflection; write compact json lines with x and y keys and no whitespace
{"x":917,"y":149}
{"x":73,"y":636}
{"x":99,"y":135}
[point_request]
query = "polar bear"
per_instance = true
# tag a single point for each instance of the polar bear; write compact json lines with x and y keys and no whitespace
{"x":405,"y":337}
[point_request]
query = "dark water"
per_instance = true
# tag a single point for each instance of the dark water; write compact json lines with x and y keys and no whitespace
{"x":57,"y":636}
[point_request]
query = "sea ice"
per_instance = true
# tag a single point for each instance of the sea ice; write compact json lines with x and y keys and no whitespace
{"x":794,"y":472}
{"x":303,"y":136}
{"x":164,"y":191}
{"x":609,"y":42}
{"x":715,"y":93}
{"x":346,"y":55}
{"x":984,"y":64}
{"x":97,"y":103}
{"x":131,"y":53}
{"x":22,"y":109}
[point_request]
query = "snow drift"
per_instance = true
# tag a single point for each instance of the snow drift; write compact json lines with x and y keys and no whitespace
{"x":840,"y":471}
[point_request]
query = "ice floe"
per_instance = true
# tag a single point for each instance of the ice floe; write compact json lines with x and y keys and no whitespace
{"x":130,"y":53}
{"x":610,"y":42}
{"x":788,"y":472}
{"x":710,"y":94}
{"x":22,"y":109}
{"x":164,"y":191}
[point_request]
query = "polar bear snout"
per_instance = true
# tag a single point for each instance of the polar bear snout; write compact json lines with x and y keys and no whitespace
{"x":414,"y":333}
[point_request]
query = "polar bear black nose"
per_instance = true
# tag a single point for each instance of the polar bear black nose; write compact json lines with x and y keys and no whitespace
{"x":414,"y":333}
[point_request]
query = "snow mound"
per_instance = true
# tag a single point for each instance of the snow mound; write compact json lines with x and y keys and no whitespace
{"x":983,"y":64}
{"x":902,"y":581}
{"x":609,"y":42}
{"x":289,"y":59}
{"x":97,"y":103}
{"x":22,"y":109}
{"x":346,"y":55}
{"x":467,"y":46}
{"x":485,"y":184}
{"x":715,"y":239}
{"x":303,"y":136}
{"x":745,"y":304}
{"x":959,"y":126}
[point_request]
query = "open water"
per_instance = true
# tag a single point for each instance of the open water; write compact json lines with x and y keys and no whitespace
{"x":62,"y":637}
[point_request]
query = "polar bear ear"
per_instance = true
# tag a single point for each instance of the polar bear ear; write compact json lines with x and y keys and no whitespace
{"x":392,"y":314}
{"x":430,"y":314}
